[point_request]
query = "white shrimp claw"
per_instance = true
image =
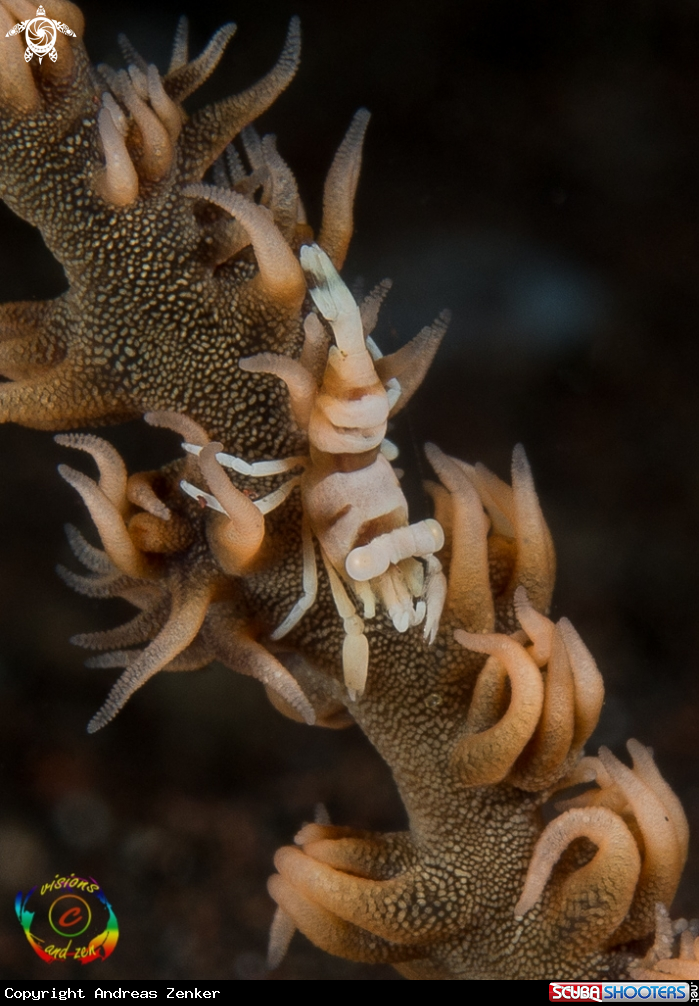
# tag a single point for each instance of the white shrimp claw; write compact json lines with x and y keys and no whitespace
{"x":201,"y":496}
{"x":355,"y":657}
{"x":435,"y":597}
{"x":310,"y":585}
{"x":372,"y":560}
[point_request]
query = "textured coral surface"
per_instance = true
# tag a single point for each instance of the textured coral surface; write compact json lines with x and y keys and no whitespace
{"x":556,"y":207}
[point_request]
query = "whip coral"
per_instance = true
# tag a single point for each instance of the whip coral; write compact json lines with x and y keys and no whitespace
{"x":278,"y":540}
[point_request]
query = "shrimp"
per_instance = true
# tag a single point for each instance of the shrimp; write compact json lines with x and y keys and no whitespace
{"x":342,"y":396}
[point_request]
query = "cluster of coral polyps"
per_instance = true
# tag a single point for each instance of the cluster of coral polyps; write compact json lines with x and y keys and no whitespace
{"x":279,"y":541}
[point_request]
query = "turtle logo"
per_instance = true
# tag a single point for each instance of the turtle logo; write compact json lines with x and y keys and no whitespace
{"x":40,"y":35}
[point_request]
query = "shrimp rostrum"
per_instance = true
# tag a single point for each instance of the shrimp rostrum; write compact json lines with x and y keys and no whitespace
{"x":342,"y":396}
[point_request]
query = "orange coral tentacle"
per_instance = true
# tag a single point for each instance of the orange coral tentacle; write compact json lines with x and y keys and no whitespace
{"x":140,"y":491}
{"x":110,"y":524}
{"x":280,"y":276}
{"x":646,"y":769}
{"x":486,"y":758}
{"x":380,"y":907}
{"x":663,"y":853}
{"x":546,"y":757}
{"x":209,"y":130}
{"x":117,"y":181}
{"x":184,"y":77}
{"x":111,"y":467}
{"x":535,"y":566}
{"x":589,"y":903}
{"x":367,"y":854}
{"x":236,"y":539}
{"x":140,"y":629}
{"x":539,"y":628}
{"x":409,"y":365}
{"x":340,"y":189}
{"x":185,"y":620}
{"x":589,"y":686}
{"x":334,"y":934}
{"x":469,"y":594}
{"x":233,"y":643}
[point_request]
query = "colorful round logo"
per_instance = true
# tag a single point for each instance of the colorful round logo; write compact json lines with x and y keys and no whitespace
{"x":69,"y":918}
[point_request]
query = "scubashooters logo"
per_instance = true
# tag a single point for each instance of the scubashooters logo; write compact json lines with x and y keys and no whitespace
{"x":68,"y":918}
{"x":621,"y":991}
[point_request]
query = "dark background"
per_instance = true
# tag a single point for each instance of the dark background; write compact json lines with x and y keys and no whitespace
{"x":533,"y":166}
